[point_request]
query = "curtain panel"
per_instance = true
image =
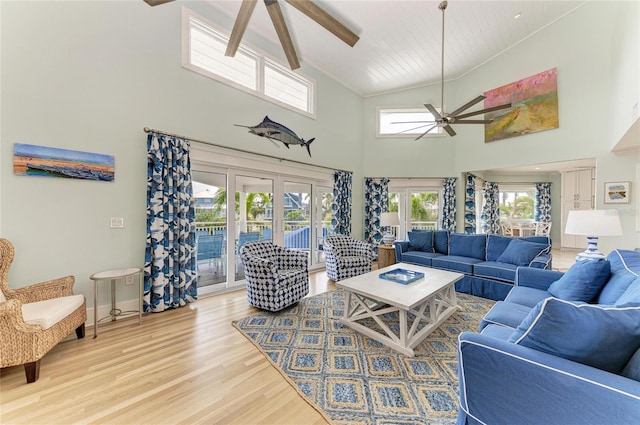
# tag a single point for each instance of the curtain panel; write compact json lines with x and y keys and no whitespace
{"x":342,"y":187}
{"x":449,"y":203}
{"x":376,"y":201}
{"x":470,"y":205}
{"x":543,"y":202}
{"x":170,"y":266}
{"x":491,"y":209}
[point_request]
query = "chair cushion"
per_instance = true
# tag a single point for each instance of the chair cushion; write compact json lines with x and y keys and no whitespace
{"x":526,"y":296}
{"x":49,"y":312}
{"x":631,"y":295}
{"x":582,"y":281}
{"x":604,"y":337}
{"x":521,"y":252}
{"x":505,"y":314}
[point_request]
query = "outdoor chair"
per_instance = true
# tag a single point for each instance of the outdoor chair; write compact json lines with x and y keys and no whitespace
{"x":209,"y":249}
{"x":35,"y":318}
{"x":276,"y":277}
{"x":347,"y":257}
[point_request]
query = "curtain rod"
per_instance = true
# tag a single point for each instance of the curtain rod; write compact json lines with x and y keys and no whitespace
{"x":151,"y":130}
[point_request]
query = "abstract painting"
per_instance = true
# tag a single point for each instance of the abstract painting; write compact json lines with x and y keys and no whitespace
{"x":616,"y":193}
{"x":534,"y":107}
{"x":33,"y":160}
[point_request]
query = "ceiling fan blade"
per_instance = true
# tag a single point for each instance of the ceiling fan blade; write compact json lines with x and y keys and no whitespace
{"x":473,"y":122}
{"x":275,"y":13}
{"x":246,"y":9}
{"x":449,"y":130}
{"x":484,"y":111}
{"x":467,"y":105}
{"x":156,"y":2}
{"x":323,"y":18}
{"x":410,"y":129}
{"x":425,"y":133}
{"x":410,"y":122}
{"x":433,"y":111}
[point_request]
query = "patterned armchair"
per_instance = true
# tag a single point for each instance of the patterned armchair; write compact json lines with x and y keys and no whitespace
{"x":347,"y":257}
{"x":276,"y":277}
{"x":35,"y":318}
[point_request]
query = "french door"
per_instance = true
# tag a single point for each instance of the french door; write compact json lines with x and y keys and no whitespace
{"x":293,"y":212}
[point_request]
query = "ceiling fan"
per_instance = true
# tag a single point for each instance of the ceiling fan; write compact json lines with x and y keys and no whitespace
{"x":307,"y":7}
{"x":445,"y":119}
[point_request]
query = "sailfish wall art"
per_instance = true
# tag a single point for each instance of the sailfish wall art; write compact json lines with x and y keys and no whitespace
{"x":277,"y":132}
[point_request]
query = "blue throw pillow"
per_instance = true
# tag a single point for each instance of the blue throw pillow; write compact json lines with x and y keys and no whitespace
{"x":604,"y":337}
{"x":496,"y":244}
{"x":421,"y":241}
{"x":582,"y":281}
{"x":521,"y":253}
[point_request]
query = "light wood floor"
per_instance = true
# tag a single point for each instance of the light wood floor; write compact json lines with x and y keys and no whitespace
{"x":186,"y":366}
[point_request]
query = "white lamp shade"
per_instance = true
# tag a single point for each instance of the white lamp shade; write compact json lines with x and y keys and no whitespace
{"x":389,"y":219}
{"x":593,"y":223}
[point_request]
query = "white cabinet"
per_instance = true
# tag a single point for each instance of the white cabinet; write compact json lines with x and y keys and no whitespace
{"x":577,"y":194}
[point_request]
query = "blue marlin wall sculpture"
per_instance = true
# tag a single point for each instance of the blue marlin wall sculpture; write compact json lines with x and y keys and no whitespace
{"x":278,"y":132}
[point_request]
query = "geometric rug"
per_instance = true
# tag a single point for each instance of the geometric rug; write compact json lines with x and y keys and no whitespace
{"x":352,"y":379}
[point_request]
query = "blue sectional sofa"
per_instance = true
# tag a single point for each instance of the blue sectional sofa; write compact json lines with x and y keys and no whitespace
{"x":489,"y":262}
{"x":562,"y":348}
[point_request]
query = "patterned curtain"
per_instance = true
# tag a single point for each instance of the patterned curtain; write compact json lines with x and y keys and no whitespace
{"x":491,"y":209}
{"x":449,"y":203}
{"x":376,"y":201}
{"x":543,"y":202}
{"x":341,"y":221}
{"x":470,"y":205}
{"x":170,"y":268}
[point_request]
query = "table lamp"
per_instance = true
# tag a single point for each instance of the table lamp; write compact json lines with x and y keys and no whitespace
{"x":593,"y":223}
{"x":388,"y":219}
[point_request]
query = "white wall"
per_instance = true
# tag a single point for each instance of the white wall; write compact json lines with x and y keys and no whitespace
{"x":90,"y":76}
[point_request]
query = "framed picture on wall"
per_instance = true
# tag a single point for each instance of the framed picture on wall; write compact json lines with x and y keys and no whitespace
{"x":616,"y":192}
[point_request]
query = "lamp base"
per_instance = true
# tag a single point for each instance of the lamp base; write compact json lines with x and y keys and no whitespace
{"x":388,"y":239}
{"x":591,"y":253}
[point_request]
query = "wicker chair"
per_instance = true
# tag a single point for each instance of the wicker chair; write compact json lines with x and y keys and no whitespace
{"x":347,"y":256}
{"x":35,"y":318}
{"x":276,"y":277}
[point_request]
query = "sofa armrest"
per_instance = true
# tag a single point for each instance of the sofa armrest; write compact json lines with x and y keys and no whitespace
{"x":502,"y":382}
{"x":542,"y":261}
{"x":536,"y":278}
{"x":400,"y":247}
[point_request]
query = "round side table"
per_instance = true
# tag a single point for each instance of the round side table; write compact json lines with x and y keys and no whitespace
{"x":113,"y":276}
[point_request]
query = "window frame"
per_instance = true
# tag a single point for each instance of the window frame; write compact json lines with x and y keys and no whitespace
{"x":263,"y":60}
{"x":399,"y":110}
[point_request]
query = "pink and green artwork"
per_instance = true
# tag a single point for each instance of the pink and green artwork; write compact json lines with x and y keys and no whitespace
{"x":534,"y":107}
{"x":34,"y":160}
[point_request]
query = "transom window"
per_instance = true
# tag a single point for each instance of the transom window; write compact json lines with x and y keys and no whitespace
{"x":203,"y":47}
{"x":405,"y":122}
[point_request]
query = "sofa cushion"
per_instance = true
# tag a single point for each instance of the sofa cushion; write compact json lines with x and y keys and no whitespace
{"x":526,"y":296}
{"x":455,"y":263}
{"x":419,"y":257}
{"x":496,"y":244}
{"x":505,"y":314}
{"x":582,"y":281}
{"x":631,"y":295}
{"x":623,"y":263}
{"x":544,"y":240}
{"x":503,"y":333}
{"x":632,"y":369}
{"x":604,"y":337}
{"x":495,"y":270}
{"x":521,"y":253}
{"x":474,"y":246}
{"x":421,"y":241}
{"x":441,"y":241}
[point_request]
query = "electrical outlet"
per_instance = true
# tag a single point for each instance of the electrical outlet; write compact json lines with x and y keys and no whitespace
{"x":128,"y":280}
{"x":117,"y":222}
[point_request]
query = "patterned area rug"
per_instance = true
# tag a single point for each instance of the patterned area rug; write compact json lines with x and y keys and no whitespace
{"x":352,"y":379}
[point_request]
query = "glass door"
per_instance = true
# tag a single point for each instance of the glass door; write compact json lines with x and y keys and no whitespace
{"x":254,"y":215}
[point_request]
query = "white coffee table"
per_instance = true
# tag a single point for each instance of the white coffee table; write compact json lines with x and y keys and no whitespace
{"x":431,"y":300}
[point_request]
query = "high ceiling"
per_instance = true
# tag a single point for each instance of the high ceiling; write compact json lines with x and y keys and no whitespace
{"x":400,"y":41}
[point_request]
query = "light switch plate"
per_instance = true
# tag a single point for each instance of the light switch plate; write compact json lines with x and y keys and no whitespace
{"x":117,"y":222}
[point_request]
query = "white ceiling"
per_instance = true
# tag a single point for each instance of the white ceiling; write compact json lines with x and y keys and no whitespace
{"x":400,"y":41}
